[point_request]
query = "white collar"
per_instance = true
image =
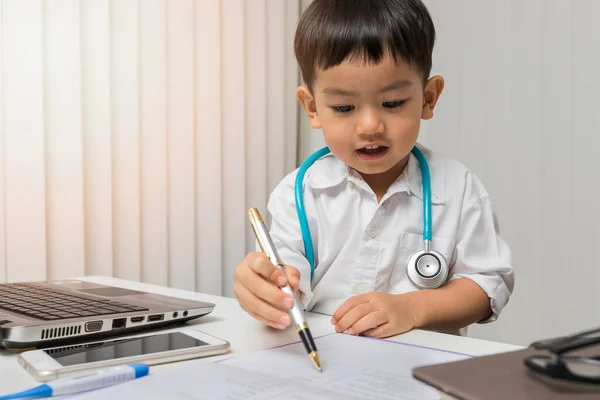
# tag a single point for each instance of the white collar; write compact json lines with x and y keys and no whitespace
{"x":336,"y":173}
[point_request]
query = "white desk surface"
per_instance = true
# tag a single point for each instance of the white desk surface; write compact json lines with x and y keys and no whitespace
{"x":230,"y":322}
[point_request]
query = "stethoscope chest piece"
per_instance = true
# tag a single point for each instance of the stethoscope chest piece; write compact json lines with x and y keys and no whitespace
{"x":427,"y":269}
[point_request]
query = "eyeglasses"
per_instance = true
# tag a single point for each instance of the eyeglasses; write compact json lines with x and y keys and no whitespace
{"x":558,"y":365}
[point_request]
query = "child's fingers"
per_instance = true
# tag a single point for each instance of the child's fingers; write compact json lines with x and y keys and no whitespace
{"x":261,"y":264}
{"x":293,"y":276}
{"x":347,"y":306}
{"x":267,"y":322}
{"x":262,"y":310}
{"x":370,"y":321}
{"x":249,"y":280}
{"x":352,"y":316}
{"x":382,"y":331}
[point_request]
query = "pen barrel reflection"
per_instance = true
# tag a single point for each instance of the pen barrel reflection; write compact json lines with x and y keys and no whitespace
{"x":268,"y":247}
{"x":296,"y":310}
{"x":262,"y":236}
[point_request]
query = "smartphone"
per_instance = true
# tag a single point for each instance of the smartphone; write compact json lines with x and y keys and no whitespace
{"x":149,"y":348}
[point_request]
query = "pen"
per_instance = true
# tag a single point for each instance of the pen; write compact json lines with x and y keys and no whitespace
{"x":82,"y":383}
{"x":267,"y":246}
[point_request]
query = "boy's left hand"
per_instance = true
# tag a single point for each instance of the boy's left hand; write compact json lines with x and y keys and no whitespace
{"x":374,"y":314}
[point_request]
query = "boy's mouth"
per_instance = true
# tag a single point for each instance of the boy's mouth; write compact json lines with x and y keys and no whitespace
{"x":372,"y":152}
{"x":372,"y":149}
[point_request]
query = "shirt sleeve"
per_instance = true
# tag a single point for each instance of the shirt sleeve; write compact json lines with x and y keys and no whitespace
{"x":483,"y":256}
{"x":287,"y":237}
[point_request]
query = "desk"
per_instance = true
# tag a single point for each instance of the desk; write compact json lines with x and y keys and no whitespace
{"x":230,"y":322}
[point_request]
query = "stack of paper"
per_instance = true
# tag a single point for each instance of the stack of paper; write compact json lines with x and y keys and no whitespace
{"x":353,"y":368}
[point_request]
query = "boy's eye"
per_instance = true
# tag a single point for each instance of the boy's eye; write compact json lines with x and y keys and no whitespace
{"x":342,"y":109}
{"x":393,"y":104}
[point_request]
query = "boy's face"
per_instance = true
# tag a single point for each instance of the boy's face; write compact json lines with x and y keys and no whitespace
{"x":371,"y":114}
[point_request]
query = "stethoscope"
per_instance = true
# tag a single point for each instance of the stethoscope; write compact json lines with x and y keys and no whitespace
{"x":426,"y":268}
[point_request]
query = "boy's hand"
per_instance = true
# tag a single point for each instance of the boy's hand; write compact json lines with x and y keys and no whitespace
{"x":374,"y":314}
{"x":257,"y":288}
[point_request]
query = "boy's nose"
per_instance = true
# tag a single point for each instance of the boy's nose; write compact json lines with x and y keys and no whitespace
{"x":369,"y":122}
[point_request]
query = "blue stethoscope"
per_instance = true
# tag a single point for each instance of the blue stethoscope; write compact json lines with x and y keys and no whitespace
{"x":426,"y":268}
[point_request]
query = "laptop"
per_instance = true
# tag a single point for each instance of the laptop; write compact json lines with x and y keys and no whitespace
{"x":55,"y":313}
{"x":503,"y":376}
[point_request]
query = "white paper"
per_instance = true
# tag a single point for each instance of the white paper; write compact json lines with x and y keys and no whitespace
{"x":353,"y":368}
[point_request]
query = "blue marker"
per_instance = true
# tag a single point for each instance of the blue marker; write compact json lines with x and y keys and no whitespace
{"x":83,"y":383}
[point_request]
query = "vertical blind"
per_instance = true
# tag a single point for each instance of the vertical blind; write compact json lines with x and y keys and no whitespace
{"x":135,"y":134}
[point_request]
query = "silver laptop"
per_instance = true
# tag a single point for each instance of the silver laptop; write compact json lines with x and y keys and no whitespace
{"x":55,"y":313}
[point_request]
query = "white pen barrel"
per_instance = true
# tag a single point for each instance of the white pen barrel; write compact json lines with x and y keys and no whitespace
{"x":296,"y":311}
{"x":268,"y":247}
{"x":265,"y":242}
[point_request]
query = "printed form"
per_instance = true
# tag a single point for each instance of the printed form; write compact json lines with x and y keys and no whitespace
{"x":353,"y":368}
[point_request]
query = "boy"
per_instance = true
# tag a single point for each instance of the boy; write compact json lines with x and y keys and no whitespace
{"x":366,"y":66}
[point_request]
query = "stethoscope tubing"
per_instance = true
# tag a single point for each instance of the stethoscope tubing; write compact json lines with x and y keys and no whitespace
{"x":300,"y":210}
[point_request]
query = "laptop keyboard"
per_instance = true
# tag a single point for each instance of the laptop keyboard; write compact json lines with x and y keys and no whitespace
{"x":53,"y":304}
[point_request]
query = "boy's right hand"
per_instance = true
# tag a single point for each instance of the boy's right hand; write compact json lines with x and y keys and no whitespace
{"x":258,"y":285}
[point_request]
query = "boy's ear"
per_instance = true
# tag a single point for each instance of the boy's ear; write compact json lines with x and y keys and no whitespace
{"x":307,"y":101}
{"x":433,"y":90}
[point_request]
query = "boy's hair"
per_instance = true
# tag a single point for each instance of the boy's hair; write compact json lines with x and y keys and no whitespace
{"x":330,"y":31}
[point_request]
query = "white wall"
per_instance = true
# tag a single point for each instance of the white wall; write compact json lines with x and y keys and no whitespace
{"x":135,"y":134}
{"x":520,"y":108}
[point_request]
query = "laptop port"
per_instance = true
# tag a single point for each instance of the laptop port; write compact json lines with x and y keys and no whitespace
{"x":137,"y":319}
{"x":185,"y":313}
{"x":119,"y":323}
{"x":93,"y":326}
{"x":156,"y":317}
{"x":175,"y":314}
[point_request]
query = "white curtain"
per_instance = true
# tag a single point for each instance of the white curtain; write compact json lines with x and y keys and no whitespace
{"x":135,"y":134}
